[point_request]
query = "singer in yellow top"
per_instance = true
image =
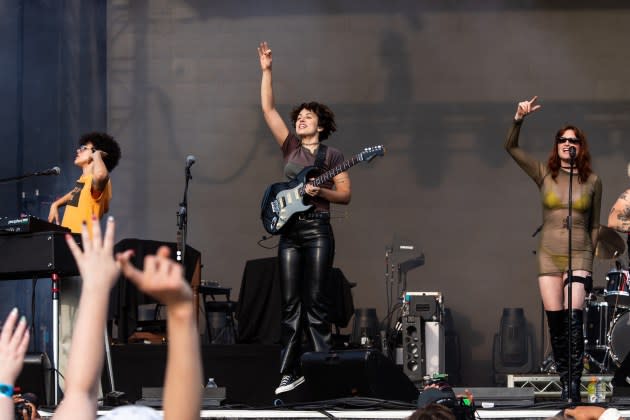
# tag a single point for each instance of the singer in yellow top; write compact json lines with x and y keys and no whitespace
{"x":97,"y":155}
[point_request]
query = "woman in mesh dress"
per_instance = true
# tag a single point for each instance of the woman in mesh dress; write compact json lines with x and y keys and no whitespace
{"x":552,"y":178}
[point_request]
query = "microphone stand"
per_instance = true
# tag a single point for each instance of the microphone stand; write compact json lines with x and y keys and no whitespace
{"x":182,"y":221}
{"x":570,"y":397}
{"x":20,"y":177}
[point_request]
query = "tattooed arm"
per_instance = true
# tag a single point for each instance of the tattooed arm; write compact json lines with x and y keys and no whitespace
{"x":619,"y":217}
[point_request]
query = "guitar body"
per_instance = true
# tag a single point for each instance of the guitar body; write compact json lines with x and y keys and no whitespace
{"x":282,"y":200}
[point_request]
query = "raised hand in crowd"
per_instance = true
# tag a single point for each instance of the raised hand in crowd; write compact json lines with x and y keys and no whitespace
{"x":99,"y":272}
{"x":592,"y":412}
{"x":14,"y":340}
{"x":26,"y":405}
{"x":163,"y":279}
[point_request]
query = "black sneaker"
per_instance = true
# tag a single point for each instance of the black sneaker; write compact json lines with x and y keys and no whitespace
{"x":289,"y":383}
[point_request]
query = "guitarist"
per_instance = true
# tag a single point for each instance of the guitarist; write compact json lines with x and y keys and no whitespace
{"x":307,"y":244}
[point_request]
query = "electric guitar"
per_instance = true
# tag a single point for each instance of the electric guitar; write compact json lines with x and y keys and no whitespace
{"x":283,"y":200}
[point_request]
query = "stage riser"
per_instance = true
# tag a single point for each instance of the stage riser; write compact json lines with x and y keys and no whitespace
{"x":250,"y":373}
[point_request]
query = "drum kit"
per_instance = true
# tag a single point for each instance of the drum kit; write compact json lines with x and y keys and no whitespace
{"x":607,"y":310}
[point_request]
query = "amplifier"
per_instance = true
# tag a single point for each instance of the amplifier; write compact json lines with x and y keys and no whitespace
{"x":355,"y":373}
{"x":427,"y":305}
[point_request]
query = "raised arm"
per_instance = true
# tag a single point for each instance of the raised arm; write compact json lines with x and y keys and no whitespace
{"x":273,"y":119}
{"x":163,"y":279}
{"x":99,"y":273}
{"x":100,"y":174}
{"x":619,"y":217}
{"x":531,"y":166}
{"x":13,"y":344}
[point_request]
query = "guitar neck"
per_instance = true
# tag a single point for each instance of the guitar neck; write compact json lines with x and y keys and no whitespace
{"x":326,"y":176}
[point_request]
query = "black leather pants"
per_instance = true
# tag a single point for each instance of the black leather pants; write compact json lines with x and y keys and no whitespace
{"x":306,"y":253}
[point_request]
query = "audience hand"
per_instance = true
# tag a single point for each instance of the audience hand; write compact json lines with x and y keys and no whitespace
{"x":29,"y":410}
{"x":584,"y":412}
{"x":162,"y":278}
{"x":13,"y":344}
{"x":99,"y":271}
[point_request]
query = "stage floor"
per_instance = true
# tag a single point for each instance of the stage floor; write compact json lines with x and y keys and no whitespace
{"x":249,"y":374}
{"x":530,"y":413}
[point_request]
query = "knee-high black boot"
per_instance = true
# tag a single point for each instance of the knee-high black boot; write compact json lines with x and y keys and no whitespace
{"x":577,"y":352}
{"x":557,"y":322}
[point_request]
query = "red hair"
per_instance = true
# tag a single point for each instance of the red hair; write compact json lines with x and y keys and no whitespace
{"x":582,"y":160}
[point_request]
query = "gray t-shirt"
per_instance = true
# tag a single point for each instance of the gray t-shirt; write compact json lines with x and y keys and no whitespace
{"x":297,"y":158}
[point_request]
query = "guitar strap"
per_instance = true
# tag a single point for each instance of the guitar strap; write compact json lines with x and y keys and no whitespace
{"x":321,"y":156}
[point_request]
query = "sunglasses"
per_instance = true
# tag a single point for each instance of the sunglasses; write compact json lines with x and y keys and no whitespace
{"x":572,"y":140}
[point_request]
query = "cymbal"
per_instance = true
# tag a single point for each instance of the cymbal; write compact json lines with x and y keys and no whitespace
{"x":609,"y":244}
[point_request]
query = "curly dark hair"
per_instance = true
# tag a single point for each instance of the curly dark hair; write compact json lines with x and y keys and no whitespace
{"x":325,"y":117}
{"x":106,"y":143}
{"x":582,"y":160}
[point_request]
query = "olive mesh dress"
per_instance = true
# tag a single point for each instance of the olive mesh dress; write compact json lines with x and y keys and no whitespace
{"x":553,"y":249}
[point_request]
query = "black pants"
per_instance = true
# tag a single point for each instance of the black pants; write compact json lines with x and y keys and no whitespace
{"x":305,"y":253}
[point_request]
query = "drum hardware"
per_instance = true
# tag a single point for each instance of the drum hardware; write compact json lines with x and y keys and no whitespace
{"x":596,"y":325}
{"x":617,"y":292}
{"x":609,"y":243}
{"x":548,"y":365}
{"x":605,"y":325}
{"x":601,"y":366}
{"x":597,"y":319}
{"x":606,"y":313}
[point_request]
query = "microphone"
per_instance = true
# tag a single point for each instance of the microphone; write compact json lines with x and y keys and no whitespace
{"x":572,"y":152}
{"x":190,"y":160}
{"x":52,"y":171}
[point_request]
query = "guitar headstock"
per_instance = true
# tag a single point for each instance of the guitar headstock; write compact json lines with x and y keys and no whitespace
{"x":371,"y":152}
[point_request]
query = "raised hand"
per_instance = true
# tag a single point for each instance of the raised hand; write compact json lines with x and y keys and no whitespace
{"x":526,"y":107}
{"x":96,"y":261}
{"x":13,"y":344}
{"x":162,"y":278}
{"x":264,"y":53}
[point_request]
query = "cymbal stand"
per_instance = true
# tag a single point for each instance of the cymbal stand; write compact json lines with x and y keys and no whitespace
{"x":601,"y":365}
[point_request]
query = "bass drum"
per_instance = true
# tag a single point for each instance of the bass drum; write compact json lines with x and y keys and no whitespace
{"x":619,"y":338}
